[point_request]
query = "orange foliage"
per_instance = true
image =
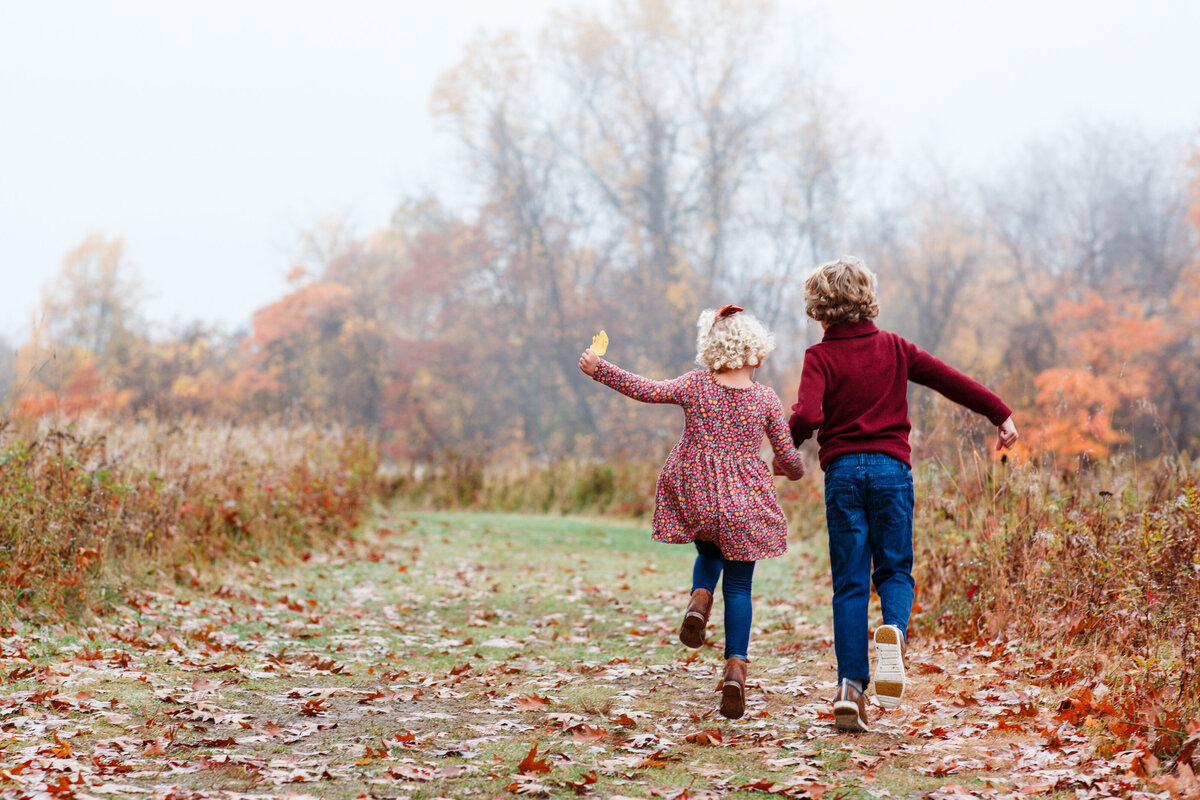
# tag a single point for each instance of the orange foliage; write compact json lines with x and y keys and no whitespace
{"x":286,"y":334}
{"x":85,"y":392}
{"x":314,"y":306}
{"x":1073,"y":414}
{"x":1111,"y":349}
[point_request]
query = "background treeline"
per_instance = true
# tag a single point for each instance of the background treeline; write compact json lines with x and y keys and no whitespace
{"x":635,"y":167}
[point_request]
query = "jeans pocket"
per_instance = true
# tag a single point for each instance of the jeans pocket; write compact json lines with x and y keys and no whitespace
{"x":890,"y":474}
{"x":839,"y":485}
{"x":892,"y":503}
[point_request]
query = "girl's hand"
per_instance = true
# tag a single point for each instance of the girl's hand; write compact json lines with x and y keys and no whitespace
{"x":1007,"y":434}
{"x":588,"y":363}
{"x":778,"y":471}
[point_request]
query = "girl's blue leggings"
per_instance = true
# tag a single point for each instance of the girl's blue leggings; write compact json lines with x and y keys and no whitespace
{"x":739,"y":610}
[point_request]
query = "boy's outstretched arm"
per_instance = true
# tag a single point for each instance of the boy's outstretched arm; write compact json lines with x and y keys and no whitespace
{"x":788,"y":462}
{"x":807,"y":414}
{"x":631,"y":385}
{"x":944,"y":379}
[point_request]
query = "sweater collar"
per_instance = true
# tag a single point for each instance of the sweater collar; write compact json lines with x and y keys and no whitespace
{"x":849,"y":330}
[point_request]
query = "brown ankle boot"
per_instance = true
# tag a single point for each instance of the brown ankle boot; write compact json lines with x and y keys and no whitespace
{"x":733,"y":689}
{"x":850,"y":709}
{"x":695,"y":619}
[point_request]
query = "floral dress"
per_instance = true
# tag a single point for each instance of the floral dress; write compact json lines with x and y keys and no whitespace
{"x":714,"y":485}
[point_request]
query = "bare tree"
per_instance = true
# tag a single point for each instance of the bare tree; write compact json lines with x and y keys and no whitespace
{"x":929,"y":248}
{"x":1102,"y":208}
{"x":94,"y":302}
{"x":630,"y":172}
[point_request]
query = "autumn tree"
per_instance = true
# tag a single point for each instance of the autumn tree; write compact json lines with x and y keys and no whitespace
{"x":306,"y":353}
{"x":1177,"y":375}
{"x":451,"y":392}
{"x":93,"y":305}
{"x":1101,"y":208}
{"x":185,"y":372}
{"x":85,"y":331}
{"x":622,"y":170}
{"x":716,"y":169}
{"x":1084,"y":406}
{"x":1093,"y":231}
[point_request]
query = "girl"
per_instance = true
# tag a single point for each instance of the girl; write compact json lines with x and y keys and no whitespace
{"x":714,"y":489}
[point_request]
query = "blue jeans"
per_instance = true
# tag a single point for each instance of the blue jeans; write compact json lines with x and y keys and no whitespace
{"x":739,"y":610}
{"x":869,"y":512}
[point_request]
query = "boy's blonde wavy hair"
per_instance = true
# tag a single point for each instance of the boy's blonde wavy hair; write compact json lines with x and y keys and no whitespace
{"x":739,"y":340}
{"x":841,"y":291}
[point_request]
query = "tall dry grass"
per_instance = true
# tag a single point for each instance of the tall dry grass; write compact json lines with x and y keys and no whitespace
{"x":1114,"y":549}
{"x":621,"y":488}
{"x":89,"y":506}
{"x":1097,"y":569}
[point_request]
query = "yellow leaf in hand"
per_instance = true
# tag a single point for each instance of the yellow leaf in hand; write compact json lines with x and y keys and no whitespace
{"x":600,"y":343}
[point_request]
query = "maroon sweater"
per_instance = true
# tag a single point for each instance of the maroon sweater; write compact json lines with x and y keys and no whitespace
{"x":854,"y":391}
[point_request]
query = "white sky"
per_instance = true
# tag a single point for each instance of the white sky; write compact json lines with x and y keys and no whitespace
{"x":210,"y":135}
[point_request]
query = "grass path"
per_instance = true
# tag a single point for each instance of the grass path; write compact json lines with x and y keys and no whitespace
{"x":429,"y":657}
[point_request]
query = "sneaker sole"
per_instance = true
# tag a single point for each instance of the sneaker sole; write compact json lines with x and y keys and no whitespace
{"x":889,"y":672}
{"x":846,"y":717}
{"x":692,"y":631}
{"x":733,"y":700}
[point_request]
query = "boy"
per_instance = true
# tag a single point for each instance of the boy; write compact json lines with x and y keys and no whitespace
{"x":853,"y":390}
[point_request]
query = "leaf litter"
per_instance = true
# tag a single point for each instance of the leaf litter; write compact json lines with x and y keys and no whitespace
{"x":341,"y":675}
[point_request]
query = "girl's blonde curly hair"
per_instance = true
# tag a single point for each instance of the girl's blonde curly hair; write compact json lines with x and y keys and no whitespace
{"x":739,"y":340}
{"x":841,"y":291}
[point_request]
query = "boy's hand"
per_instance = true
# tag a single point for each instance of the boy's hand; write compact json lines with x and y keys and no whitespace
{"x":588,"y":363}
{"x":1007,"y":434}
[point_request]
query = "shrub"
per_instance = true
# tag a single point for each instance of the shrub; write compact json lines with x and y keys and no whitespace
{"x":1102,"y":564}
{"x":90,"y":504}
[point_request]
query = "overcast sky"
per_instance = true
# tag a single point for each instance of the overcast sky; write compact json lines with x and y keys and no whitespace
{"x":211,"y":135}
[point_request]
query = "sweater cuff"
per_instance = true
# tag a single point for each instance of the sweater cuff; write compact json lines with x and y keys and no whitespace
{"x":799,"y":431}
{"x":999,"y":414}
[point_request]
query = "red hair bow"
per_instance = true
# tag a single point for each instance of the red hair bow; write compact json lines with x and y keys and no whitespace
{"x":728,"y":311}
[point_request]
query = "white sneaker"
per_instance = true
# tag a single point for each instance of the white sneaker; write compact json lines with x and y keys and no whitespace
{"x":889,"y":666}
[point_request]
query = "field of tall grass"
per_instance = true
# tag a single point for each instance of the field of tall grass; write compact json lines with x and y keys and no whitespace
{"x":87,"y":507}
{"x":1098,"y":568}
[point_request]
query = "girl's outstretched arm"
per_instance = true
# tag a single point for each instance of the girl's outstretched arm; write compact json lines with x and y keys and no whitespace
{"x":631,"y":385}
{"x":789,"y":461}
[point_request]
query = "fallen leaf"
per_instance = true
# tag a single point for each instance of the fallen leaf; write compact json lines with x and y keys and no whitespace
{"x":704,"y":737}
{"x":587,"y":733}
{"x":531,"y":702}
{"x":531,"y":764}
{"x":581,"y":785}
